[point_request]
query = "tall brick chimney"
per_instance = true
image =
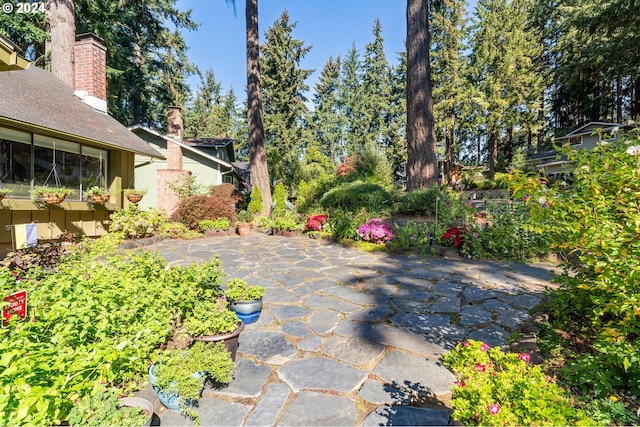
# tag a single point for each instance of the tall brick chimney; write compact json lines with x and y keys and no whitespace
{"x":167,"y":199}
{"x":91,"y":71}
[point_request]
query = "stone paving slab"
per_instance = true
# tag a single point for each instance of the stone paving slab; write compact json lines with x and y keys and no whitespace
{"x":318,"y":409}
{"x":320,"y":373}
{"x":248,"y":380}
{"x":268,"y":408}
{"x":407,"y":416}
{"x":267,"y":346}
{"x":383,"y":394}
{"x":357,"y":351}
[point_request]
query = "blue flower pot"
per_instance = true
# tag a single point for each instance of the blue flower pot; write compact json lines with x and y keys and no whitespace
{"x":247,"y":311}
{"x":170,"y":400}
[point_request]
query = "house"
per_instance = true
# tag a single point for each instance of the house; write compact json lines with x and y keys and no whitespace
{"x":208,"y":159}
{"x":584,"y":138}
{"x":52,"y":133}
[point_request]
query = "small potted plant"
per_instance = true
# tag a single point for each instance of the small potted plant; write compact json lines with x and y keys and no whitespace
{"x":215,"y":227}
{"x":245,"y":218}
{"x":213,"y":321}
{"x":245,"y":300}
{"x":178,"y":375}
{"x":103,"y":408}
{"x":3,"y":192}
{"x":284,"y":222}
{"x":97,"y":194}
{"x":50,"y":195}
{"x":134,"y":195}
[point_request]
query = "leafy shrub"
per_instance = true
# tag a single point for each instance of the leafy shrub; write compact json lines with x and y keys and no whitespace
{"x":369,"y":165}
{"x":45,"y":255}
{"x":240,"y":290}
{"x":279,"y":197}
{"x":192,"y":210}
{"x":214,"y":224}
{"x":376,"y":230}
{"x":255,"y":205}
{"x":177,"y":230}
{"x":358,"y":195}
{"x":497,"y":388}
{"x":228,"y":193}
{"x":507,"y":235}
{"x":595,"y":222}
{"x":135,"y":223}
{"x":283,"y":220}
{"x":103,"y":408}
{"x":344,"y":224}
{"x":94,"y":321}
{"x":422,"y":201}
{"x":454,"y":237}
{"x":412,"y":235}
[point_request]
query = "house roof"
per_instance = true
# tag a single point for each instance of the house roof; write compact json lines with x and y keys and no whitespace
{"x":207,"y":142}
{"x":138,"y":128}
{"x":35,"y":99}
{"x":588,"y":129}
{"x":10,"y":58}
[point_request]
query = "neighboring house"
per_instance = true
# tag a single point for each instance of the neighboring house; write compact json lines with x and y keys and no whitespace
{"x":585,"y":137}
{"x":43,"y":123}
{"x":209,"y":159}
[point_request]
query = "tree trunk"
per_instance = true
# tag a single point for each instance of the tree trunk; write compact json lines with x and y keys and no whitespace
{"x":508,"y":149}
{"x":422,"y":166}
{"x":257,"y":151}
{"x":493,"y":152}
{"x":62,"y":30}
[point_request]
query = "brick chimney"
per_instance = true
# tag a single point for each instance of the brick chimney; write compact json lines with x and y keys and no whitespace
{"x":91,"y":71}
{"x":167,"y":199}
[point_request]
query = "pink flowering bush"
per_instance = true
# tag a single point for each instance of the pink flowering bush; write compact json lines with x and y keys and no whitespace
{"x":377,"y":231}
{"x":497,"y":388}
{"x":315,"y":223}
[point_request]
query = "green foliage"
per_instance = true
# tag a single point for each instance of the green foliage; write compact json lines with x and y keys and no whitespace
{"x":192,"y":210}
{"x":177,"y":230}
{"x":422,"y":201}
{"x":280,"y":196}
{"x":609,"y":412}
{"x":184,"y":371}
{"x":95,"y":320}
{"x":211,"y":318}
{"x":132,"y":191}
{"x":38,"y":190}
{"x":102,"y":408}
{"x":186,"y":186}
{"x":344,"y":223}
{"x":413,"y":236}
{"x":358,"y":195}
{"x":497,"y":388}
{"x":240,"y":290}
{"x":255,"y":205}
{"x":96,"y":191}
{"x":283,"y":220}
{"x":245,"y":217}
{"x":594,"y":222}
{"x":508,"y":234}
{"x":214,"y":224}
{"x":135,"y":223}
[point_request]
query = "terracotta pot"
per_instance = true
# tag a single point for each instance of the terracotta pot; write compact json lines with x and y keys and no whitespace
{"x":244,"y":229}
{"x":52,"y":198}
{"x":134,"y":198}
{"x":96,"y":198}
{"x":216,"y":233}
{"x":229,"y":340}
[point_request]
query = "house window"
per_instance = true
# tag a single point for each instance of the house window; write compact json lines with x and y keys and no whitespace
{"x":94,"y":167}
{"x":57,"y":160}
{"x":15,"y":162}
{"x":576,"y":140}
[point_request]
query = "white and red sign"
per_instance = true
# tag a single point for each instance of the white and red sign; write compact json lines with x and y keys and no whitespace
{"x":17,"y":306}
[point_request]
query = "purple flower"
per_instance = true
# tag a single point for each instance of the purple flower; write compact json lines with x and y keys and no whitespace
{"x":376,"y":230}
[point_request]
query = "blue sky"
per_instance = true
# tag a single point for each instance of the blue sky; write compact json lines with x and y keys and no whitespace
{"x":331,"y":27}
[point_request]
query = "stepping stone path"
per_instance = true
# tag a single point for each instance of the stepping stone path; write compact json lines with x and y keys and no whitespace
{"x":352,"y":338}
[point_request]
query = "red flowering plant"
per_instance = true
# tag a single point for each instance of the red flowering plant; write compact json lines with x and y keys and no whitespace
{"x":497,"y":388}
{"x":454,"y":236}
{"x":316,"y":223}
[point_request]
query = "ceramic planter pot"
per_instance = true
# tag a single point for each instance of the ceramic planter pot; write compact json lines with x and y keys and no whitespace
{"x":244,"y":229}
{"x":229,"y":340}
{"x":169,"y":400}
{"x":247,"y":311}
{"x":138,"y":402}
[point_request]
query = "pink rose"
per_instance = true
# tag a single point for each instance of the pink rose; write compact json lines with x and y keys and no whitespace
{"x":494,"y":409}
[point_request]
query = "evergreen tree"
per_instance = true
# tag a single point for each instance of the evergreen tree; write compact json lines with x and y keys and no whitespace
{"x":503,"y":63}
{"x":449,"y":75}
{"x":395,"y":141}
{"x":283,"y":86}
{"x":351,"y":100}
{"x":376,"y":88}
{"x":327,"y":116}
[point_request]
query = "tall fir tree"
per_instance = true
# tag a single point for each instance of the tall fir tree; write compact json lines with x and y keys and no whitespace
{"x":449,"y":75}
{"x":327,"y":115}
{"x":283,"y":88}
{"x":351,"y":100}
{"x":503,"y":65}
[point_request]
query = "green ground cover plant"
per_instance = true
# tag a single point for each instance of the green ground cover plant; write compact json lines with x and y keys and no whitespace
{"x":94,"y":320}
{"x":135,"y":223}
{"x":498,"y":388}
